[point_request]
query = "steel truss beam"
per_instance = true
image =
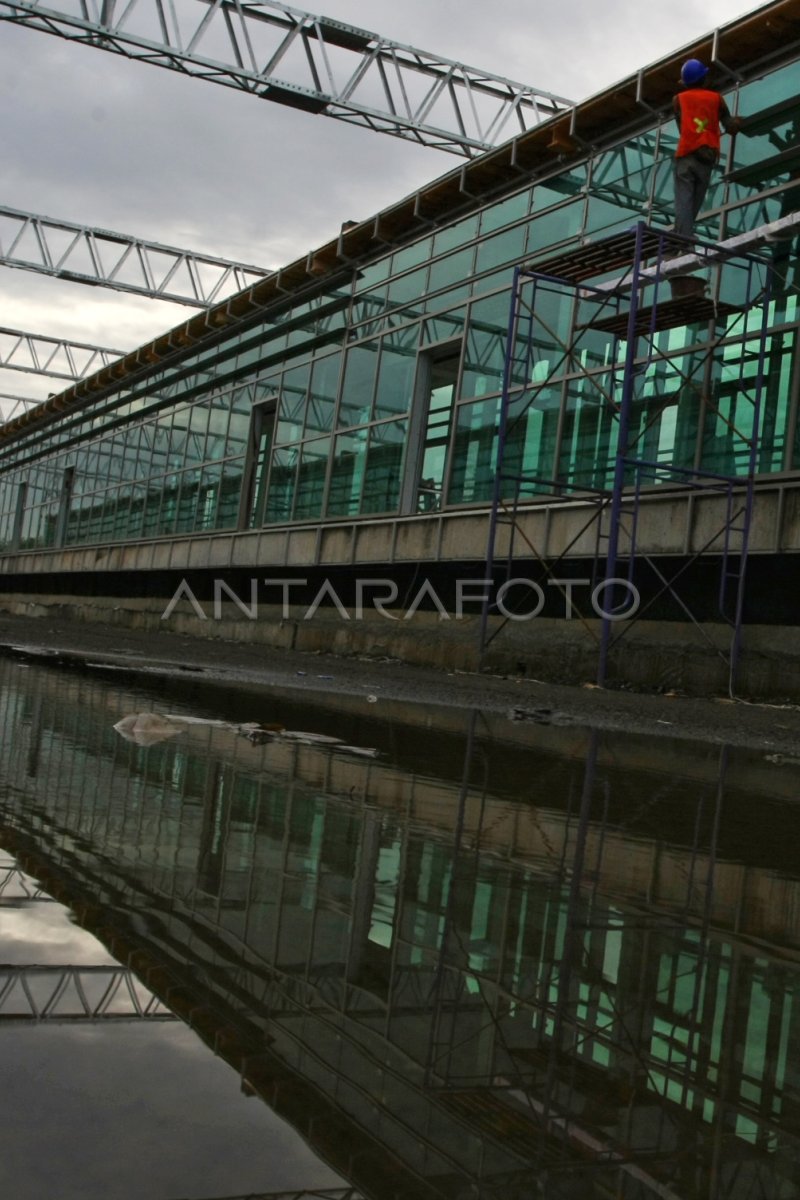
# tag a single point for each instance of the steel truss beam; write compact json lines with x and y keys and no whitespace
{"x":83,"y":254}
{"x":41,"y":355}
{"x":15,"y":406}
{"x":68,"y":993}
{"x":308,"y":62}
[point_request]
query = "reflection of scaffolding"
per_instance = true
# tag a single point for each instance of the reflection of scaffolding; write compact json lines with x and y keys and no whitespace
{"x":66,"y":994}
{"x":617,"y":370}
{"x":568,"y":1072}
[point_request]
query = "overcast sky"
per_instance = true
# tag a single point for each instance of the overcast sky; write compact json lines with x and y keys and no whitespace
{"x":92,"y":138}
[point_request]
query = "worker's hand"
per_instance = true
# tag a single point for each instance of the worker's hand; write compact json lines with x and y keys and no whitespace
{"x":735,"y":125}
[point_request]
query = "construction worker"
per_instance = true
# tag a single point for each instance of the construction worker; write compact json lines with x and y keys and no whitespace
{"x":700,"y":113}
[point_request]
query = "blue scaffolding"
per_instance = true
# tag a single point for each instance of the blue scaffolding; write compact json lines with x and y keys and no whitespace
{"x":619,"y":294}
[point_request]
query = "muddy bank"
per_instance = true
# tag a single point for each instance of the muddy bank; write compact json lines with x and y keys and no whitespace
{"x":772,"y":728}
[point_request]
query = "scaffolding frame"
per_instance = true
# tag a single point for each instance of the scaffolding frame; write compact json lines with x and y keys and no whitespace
{"x":645,"y":260}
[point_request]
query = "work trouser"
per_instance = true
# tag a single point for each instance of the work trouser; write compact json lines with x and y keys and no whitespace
{"x":692,"y":177}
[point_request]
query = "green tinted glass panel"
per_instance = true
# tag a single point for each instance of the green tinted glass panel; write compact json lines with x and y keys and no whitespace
{"x":504,"y":213}
{"x":281,"y":483}
{"x":359,"y":382}
{"x":501,"y":248}
{"x":185,"y":517}
{"x":347,"y":473}
{"x":409,"y":289}
{"x":455,"y":235}
{"x":230,"y":493}
{"x":474,"y":452}
{"x":411,"y":256}
{"x":396,"y":374}
{"x":237,"y":433}
{"x":208,"y":498}
{"x":293,"y":403}
{"x":311,"y":477}
{"x":216,"y":440}
{"x":373,"y":274}
{"x":486,"y":344}
{"x":452,"y":271}
{"x":322,"y":393}
{"x":569,"y":183}
{"x":605,"y":217}
{"x":443,"y":374}
{"x":556,"y":226}
{"x":589,"y":435}
{"x":761,"y":94}
{"x":384,"y":467}
{"x":371,"y":306}
{"x":445,"y":327}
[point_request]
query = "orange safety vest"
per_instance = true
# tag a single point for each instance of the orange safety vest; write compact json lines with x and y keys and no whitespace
{"x":700,"y":112}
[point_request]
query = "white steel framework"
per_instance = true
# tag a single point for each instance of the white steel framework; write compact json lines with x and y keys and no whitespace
{"x":84,"y":254}
{"x":308,"y":62}
{"x":70,"y":993}
{"x":60,"y":359}
{"x":15,"y":406}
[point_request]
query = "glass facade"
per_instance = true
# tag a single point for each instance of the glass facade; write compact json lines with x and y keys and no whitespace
{"x":380,"y":396}
{"x":325,"y":903}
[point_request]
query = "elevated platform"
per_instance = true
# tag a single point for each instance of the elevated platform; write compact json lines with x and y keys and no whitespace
{"x":599,"y":258}
{"x":669,"y":314}
{"x":616,"y":253}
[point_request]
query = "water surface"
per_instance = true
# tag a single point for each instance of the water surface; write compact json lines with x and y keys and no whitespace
{"x":492,"y":959}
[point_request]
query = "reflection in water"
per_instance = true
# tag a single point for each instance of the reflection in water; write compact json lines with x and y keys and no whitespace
{"x":590,"y":990}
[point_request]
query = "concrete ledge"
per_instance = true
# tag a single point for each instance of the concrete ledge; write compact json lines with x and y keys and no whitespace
{"x":650,"y":655}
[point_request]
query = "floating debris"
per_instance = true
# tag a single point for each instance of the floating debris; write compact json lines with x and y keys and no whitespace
{"x":147,"y":729}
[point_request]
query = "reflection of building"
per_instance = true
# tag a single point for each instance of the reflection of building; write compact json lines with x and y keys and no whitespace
{"x":344,"y":411}
{"x":567,"y":992}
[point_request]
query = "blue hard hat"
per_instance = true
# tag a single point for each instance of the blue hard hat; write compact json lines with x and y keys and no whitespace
{"x":693,"y":72}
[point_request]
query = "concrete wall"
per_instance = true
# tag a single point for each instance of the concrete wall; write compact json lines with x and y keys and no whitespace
{"x":130,"y":585}
{"x":670,"y":522}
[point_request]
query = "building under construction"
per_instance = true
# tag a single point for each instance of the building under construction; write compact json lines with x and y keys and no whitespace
{"x":478,"y":407}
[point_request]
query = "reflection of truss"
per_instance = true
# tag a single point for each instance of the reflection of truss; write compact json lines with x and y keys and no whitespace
{"x":95,"y":993}
{"x":16,"y":887}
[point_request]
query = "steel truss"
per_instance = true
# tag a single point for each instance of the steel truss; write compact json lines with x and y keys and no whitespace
{"x":308,"y":62}
{"x":626,"y":397}
{"x":56,"y":357}
{"x":15,"y":406}
{"x":69,"y":993}
{"x":83,"y":254}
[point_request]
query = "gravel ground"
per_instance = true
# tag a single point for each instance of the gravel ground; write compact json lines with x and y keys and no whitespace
{"x":70,"y":644}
